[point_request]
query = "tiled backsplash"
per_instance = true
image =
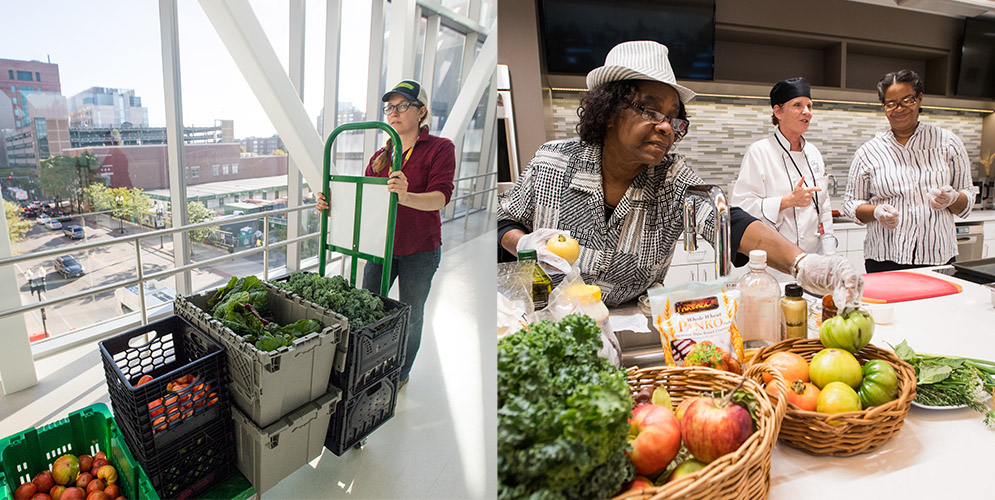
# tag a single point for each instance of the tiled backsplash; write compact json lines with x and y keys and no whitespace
{"x":723,"y":127}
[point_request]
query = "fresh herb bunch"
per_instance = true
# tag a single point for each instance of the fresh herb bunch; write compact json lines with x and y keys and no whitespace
{"x":562,"y":414}
{"x":951,"y":381}
{"x":359,"y":306}
{"x":241,"y":306}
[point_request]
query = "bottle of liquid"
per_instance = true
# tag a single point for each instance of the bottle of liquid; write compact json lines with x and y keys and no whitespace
{"x":541,"y":284}
{"x":795,"y":312}
{"x":759,"y":315}
{"x":589,"y":297}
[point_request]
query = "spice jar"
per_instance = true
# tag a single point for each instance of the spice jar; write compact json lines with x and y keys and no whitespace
{"x":795,"y":312}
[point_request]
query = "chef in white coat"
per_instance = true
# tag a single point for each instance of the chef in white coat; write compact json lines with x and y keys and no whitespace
{"x":782,"y":180}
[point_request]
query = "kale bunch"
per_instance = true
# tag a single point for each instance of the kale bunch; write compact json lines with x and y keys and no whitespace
{"x":359,"y":306}
{"x":562,"y":414}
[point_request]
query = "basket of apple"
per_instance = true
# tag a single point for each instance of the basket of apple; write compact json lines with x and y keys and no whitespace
{"x":846,"y":396}
{"x":702,"y":433}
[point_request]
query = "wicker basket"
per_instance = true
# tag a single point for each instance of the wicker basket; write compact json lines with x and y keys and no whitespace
{"x":852,"y":432}
{"x":743,"y":474}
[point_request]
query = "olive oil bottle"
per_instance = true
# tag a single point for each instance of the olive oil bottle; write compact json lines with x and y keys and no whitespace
{"x":541,"y":284}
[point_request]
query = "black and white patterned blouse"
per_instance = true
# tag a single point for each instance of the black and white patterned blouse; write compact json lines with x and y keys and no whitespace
{"x":884,"y":171}
{"x":562,"y":188}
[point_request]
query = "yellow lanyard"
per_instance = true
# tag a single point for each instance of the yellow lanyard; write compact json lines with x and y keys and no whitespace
{"x":407,"y":156}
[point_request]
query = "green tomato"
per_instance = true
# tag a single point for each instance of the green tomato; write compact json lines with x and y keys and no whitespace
{"x":850,"y":332}
{"x":879,"y":385}
{"x":834,"y":365}
{"x":837,"y":397}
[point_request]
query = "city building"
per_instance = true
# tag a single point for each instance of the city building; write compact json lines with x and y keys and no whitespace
{"x":81,"y":137}
{"x":46,"y":134}
{"x":18,"y":80}
{"x":261,"y":145}
{"x":107,"y":107}
{"x":145,"y":167}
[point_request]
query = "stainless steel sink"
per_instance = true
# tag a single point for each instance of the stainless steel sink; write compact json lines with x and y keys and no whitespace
{"x":844,"y":220}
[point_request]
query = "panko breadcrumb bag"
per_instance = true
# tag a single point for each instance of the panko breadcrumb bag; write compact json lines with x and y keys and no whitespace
{"x":693,"y":313}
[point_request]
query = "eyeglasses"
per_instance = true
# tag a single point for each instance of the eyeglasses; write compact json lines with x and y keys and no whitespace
{"x":907,"y":101}
{"x":678,"y":125}
{"x":402,"y":107}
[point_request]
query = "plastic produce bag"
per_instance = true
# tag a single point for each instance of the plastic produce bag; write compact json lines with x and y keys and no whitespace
{"x":514,"y":297}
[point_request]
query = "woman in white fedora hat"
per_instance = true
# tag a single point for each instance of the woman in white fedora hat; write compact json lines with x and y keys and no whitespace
{"x":619,"y":190}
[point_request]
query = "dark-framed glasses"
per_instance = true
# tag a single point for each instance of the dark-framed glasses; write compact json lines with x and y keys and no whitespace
{"x":678,"y":125}
{"x":907,"y":101}
{"x":400,"y":107}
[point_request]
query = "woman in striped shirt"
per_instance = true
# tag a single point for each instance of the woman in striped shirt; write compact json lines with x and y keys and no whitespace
{"x":907,"y":183}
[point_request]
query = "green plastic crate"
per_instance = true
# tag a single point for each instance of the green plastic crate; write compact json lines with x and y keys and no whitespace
{"x":83,"y":432}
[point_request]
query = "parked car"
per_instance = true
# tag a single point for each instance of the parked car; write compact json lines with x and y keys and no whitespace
{"x":68,"y":266}
{"x":43,"y":219}
{"x":53,"y":224}
{"x":74,"y":232}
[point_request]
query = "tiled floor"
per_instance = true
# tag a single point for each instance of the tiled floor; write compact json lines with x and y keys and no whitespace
{"x":441,"y":442}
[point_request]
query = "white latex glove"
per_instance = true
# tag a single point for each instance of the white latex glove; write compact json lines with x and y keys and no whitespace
{"x":940,"y":198}
{"x":887,"y":215}
{"x":824,"y":274}
{"x":536,"y":240}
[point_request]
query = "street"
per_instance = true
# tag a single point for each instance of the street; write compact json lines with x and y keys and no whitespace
{"x":110,"y":264}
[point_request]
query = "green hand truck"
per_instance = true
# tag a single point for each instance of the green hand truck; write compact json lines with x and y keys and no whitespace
{"x":347,"y":241}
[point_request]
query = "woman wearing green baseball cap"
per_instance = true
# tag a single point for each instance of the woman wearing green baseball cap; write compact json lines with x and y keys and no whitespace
{"x":424,"y":186}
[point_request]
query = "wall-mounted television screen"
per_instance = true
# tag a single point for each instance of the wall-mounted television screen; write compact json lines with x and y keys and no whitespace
{"x":577,"y":34}
{"x":977,"y":59}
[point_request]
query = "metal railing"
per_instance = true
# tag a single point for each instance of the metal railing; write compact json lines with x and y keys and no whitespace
{"x":141,"y":277}
{"x":472,"y":193}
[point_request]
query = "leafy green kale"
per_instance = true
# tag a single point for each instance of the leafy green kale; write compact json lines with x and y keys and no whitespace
{"x":562,"y":414}
{"x":242,"y":305}
{"x":359,"y":306}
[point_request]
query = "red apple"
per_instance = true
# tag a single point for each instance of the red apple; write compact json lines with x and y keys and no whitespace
{"x":56,"y":491}
{"x":41,"y":496}
{"x":681,"y":408}
{"x":44,"y":481}
{"x":638,"y":484}
{"x":25,"y":491}
{"x":712,"y":427}
{"x":655,"y":437}
{"x":73,"y":493}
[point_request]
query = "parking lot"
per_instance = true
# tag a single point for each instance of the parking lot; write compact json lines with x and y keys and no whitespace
{"x":105,"y":265}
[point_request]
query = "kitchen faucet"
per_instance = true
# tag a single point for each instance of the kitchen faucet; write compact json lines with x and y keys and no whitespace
{"x":835,"y":185}
{"x":723,"y":249}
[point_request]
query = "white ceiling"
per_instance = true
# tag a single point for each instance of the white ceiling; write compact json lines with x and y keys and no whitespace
{"x":950,"y":8}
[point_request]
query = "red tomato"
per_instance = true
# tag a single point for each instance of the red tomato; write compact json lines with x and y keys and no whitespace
{"x":791,"y":365}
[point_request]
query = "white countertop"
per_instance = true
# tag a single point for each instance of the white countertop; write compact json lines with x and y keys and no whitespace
{"x":976,"y":215}
{"x":936,"y":454}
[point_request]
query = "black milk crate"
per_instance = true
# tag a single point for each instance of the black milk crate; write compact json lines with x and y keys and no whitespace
{"x":194,"y":463}
{"x":266,"y":385}
{"x":151,"y":417}
{"x":373,"y":351}
{"x":362,"y":412}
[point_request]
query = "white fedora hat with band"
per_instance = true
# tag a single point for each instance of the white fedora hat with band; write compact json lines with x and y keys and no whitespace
{"x":639,"y":60}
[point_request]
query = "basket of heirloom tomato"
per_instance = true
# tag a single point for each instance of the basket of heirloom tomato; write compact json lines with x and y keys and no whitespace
{"x":845,"y":395}
{"x":702,"y":433}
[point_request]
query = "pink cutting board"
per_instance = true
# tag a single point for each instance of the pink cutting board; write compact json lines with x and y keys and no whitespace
{"x":899,"y":286}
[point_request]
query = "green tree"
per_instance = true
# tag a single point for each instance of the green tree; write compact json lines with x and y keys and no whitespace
{"x":138,"y":206}
{"x":16,"y":224}
{"x":87,"y":169}
{"x":198,"y":212}
{"x":58,"y":178}
{"x":98,"y":197}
